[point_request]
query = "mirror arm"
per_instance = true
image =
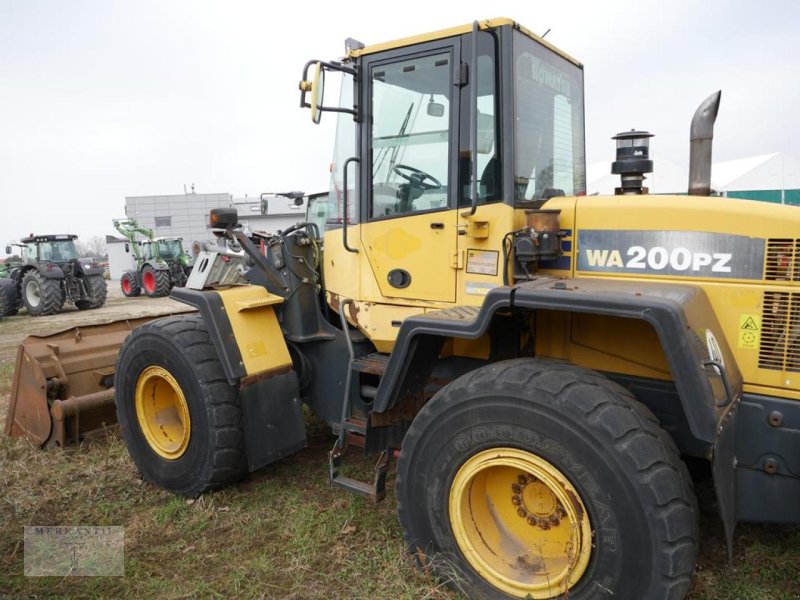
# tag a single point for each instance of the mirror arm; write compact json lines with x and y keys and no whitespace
{"x":305,"y":85}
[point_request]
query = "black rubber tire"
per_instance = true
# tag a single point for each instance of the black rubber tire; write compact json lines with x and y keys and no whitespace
{"x":163,"y":282}
{"x":215,"y":456}
{"x":625,"y":467}
{"x":11,"y":299}
{"x":135,"y":289}
{"x":51,"y":296}
{"x":97,"y":297}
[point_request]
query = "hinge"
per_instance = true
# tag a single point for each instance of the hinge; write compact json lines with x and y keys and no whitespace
{"x":461,"y":77}
{"x":456,"y":259}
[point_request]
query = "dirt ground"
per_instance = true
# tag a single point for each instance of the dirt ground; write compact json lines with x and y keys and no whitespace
{"x":14,"y":329}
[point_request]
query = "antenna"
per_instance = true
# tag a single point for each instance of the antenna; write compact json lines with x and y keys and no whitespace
{"x":545,"y":33}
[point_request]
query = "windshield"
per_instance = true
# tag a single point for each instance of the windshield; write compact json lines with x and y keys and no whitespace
{"x":549,"y":138}
{"x":169,"y":249}
{"x":57,"y":251}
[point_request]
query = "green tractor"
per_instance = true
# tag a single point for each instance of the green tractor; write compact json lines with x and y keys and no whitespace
{"x":51,"y":274}
{"x":161,"y":263}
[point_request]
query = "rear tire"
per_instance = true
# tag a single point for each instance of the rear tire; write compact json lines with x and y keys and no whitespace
{"x":40,"y":295}
{"x":11,"y":299}
{"x":574,"y":433}
{"x":180,"y":418}
{"x":98,"y":293}
{"x":156,"y":283}
{"x":129,"y":283}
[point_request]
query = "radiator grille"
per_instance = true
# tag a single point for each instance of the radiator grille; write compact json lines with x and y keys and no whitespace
{"x":783,"y":260}
{"x":780,"y":332}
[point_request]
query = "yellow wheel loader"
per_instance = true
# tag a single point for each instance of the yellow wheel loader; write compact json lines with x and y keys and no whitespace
{"x":543,"y":364}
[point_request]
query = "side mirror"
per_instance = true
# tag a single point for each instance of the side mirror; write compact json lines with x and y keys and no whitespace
{"x":314,"y":86}
{"x":8,"y":249}
{"x":317,"y":92}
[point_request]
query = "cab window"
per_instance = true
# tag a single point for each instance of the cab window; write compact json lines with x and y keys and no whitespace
{"x":410,"y":134}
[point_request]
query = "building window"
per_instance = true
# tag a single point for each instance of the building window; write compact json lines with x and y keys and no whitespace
{"x":163,"y":221}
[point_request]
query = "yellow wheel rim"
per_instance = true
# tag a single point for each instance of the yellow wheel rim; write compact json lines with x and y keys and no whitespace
{"x":162,"y":412}
{"x":520,"y":523}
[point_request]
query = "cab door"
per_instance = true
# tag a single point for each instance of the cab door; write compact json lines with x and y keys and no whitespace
{"x":409,"y":229}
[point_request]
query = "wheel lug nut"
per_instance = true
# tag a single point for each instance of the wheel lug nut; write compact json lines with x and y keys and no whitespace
{"x":523,"y":479}
{"x":544,"y":524}
{"x":522,"y":512}
{"x":533,"y":521}
{"x":555,"y":521}
{"x":516,"y":500}
{"x":516,"y":488}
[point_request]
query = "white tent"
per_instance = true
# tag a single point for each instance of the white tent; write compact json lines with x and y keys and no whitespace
{"x":774,"y":171}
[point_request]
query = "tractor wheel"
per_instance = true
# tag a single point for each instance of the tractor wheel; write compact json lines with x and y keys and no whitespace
{"x":155,"y":283}
{"x":130,"y":284}
{"x":534,"y":478}
{"x":180,"y":418}
{"x":97,"y":297}
{"x":41,"y":296}
{"x":11,"y":300}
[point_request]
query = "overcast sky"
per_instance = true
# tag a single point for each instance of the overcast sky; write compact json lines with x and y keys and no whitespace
{"x":105,"y":99}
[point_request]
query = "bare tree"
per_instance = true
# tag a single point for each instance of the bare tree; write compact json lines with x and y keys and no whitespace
{"x":94,"y":246}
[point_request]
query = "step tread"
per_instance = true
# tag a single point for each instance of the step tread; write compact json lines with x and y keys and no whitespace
{"x":374,"y":364}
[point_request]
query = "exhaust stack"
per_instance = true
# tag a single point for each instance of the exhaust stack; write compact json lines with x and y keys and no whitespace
{"x":701,"y":137}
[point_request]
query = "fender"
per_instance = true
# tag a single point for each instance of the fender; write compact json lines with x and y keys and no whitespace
{"x":706,"y":375}
{"x":243,"y":328}
{"x":158,"y":265}
{"x":681,"y":315}
{"x":92,"y":271}
{"x":53,"y":272}
{"x":248,"y":339}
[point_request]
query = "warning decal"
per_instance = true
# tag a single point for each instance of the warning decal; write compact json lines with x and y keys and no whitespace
{"x":749,"y":331}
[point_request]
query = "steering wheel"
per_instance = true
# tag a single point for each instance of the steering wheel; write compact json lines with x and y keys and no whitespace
{"x":417,"y":178}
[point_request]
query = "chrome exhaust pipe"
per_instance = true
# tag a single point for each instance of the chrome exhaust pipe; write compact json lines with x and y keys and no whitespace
{"x":701,"y":138}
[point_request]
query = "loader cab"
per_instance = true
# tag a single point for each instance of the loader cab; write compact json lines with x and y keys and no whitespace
{"x":432,"y":132}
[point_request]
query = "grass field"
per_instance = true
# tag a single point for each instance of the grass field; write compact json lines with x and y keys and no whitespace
{"x":283,"y":533}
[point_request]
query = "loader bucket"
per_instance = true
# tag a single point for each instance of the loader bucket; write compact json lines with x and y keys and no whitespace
{"x":63,"y":383}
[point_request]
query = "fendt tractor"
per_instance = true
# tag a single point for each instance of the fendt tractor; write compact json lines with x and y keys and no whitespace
{"x":544,"y":365}
{"x":161,"y":263}
{"x":51,"y":274}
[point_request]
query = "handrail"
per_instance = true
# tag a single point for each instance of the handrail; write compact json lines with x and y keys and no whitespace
{"x":344,"y":204}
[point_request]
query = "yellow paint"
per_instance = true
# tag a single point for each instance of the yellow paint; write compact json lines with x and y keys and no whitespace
{"x":790,"y":393}
{"x":520,"y":523}
{"x":749,"y":331}
{"x":381,"y":322}
{"x":255,"y":327}
{"x":602,"y":343}
{"x":162,"y":412}
{"x":455,"y":31}
{"x":411,"y":244}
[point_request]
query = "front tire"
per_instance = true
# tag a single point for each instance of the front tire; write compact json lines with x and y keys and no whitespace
{"x":10,"y":296}
{"x":129,"y":283}
{"x":181,"y":420}
{"x":535,"y":478}
{"x":156,"y":283}
{"x":40,"y":295}
{"x":98,"y":291}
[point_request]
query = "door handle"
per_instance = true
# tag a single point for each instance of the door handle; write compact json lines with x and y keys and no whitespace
{"x":437,"y":225}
